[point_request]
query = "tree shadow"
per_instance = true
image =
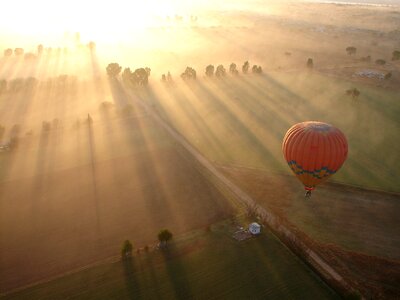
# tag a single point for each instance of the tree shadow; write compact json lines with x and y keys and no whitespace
{"x":131,"y":281}
{"x":177,"y":273}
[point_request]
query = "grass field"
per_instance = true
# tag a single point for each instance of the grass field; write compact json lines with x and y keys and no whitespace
{"x":354,"y":230}
{"x":243,"y":121}
{"x":69,"y":197}
{"x":198,"y":265}
{"x":354,"y":219}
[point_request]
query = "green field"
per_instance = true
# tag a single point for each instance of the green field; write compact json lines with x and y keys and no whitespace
{"x":243,"y":121}
{"x":199,"y":265}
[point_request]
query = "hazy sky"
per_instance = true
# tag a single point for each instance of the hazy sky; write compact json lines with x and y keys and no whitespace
{"x":48,"y":20}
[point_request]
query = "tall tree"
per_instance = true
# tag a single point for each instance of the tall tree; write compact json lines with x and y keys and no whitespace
{"x":40,"y":49}
{"x":210,"y":71}
{"x":310,"y":63}
{"x":245,"y":67}
{"x":18,"y":51}
{"x":164,"y":236}
{"x":351,"y":50}
{"x":113,"y":69}
{"x":8,"y":52}
{"x":220,"y":72}
{"x":126,"y":251}
{"x":189,"y":73}
{"x":233,"y":70}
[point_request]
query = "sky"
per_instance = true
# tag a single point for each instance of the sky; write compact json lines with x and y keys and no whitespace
{"x":27,"y":21}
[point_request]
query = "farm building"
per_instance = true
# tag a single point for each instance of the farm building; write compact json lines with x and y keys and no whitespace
{"x":255,"y":228}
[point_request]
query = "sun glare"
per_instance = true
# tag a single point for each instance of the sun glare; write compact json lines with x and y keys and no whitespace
{"x":103,"y":21}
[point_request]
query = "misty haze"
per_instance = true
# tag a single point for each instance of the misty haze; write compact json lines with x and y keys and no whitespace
{"x":198,"y":150}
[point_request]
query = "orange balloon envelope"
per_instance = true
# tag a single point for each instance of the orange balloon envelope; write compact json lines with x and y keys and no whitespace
{"x":314,"y":151}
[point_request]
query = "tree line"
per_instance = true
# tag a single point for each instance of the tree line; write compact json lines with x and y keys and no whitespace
{"x":140,"y":76}
{"x":164,"y":236}
{"x":31,"y":83}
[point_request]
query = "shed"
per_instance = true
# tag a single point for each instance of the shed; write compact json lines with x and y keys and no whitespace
{"x":255,"y":228}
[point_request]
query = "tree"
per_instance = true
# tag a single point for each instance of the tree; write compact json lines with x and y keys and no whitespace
{"x":126,"y":251}
{"x":366,"y":58}
{"x":141,"y":76}
{"x":233,"y":70}
{"x":169,"y":77}
{"x":351,"y":50}
{"x":113,"y":69}
{"x":220,"y":72}
{"x":46,"y":126}
{"x":245,"y":67}
{"x":210,"y":71}
{"x":40,"y":49}
{"x":354,"y":93}
{"x":18,"y":51}
{"x":388,"y":75}
{"x":396,"y":55}
{"x":380,"y":62}
{"x":127,"y":76}
{"x":256,"y":69}
{"x":8,"y":52}
{"x":148,"y":71}
{"x":310,"y":63}
{"x":164,"y":236}
{"x":189,"y":74}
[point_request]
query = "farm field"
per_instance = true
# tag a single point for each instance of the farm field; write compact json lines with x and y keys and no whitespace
{"x":69,"y":197}
{"x":242,"y":121}
{"x":354,"y":230}
{"x":84,"y":165}
{"x":354,"y":219}
{"x":199,"y":264}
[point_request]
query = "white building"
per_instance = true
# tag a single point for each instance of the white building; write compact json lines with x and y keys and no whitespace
{"x":255,"y":228}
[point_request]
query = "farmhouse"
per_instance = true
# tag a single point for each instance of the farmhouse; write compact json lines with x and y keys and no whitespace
{"x":255,"y":228}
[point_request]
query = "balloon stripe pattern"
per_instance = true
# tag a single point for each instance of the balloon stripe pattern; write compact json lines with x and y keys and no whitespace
{"x":314,"y":151}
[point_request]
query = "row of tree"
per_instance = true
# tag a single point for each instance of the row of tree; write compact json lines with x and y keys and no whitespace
{"x":221,"y":72}
{"x":164,"y":236}
{"x":30,"y":83}
{"x":20,"y":52}
{"x":140,"y":77}
{"x":351,"y":50}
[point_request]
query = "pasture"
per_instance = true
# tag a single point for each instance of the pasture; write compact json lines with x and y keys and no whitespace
{"x":209,"y":265}
{"x":69,"y":197}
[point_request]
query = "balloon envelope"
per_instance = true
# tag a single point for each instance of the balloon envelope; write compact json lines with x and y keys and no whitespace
{"x":314,"y":151}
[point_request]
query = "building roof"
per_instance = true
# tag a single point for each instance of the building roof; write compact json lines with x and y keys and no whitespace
{"x":254,"y":224}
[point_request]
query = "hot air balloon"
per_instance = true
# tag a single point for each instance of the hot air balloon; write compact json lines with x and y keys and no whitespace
{"x":314,"y":151}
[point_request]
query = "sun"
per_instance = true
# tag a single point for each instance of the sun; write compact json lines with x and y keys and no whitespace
{"x":102,"y":21}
